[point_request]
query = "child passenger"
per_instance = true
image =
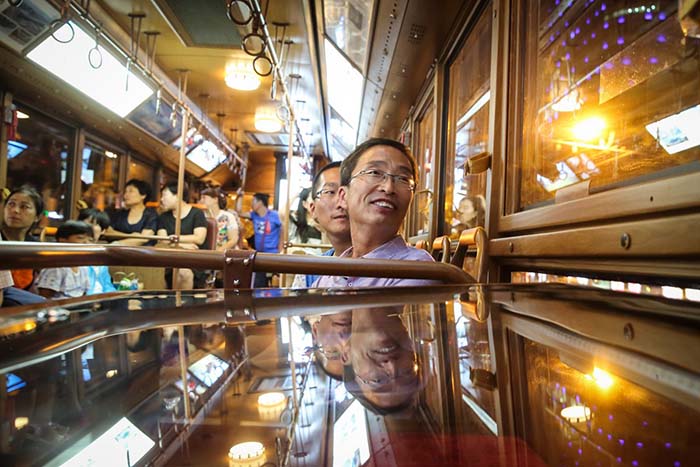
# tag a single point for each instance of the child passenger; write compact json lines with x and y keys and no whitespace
{"x":66,"y":282}
{"x":100,"y":280}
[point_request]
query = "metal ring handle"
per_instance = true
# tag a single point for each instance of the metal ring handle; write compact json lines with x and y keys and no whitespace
{"x":58,"y":24}
{"x":246,"y":47}
{"x":256,"y":66}
{"x":95,"y":58}
{"x":232,"y":16}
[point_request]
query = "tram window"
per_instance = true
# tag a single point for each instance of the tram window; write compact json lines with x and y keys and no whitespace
{"x":140,"y":171}
{"x":39,"y":154}
{"x":469,"y":80}
{"x":347,"y":25}
{"x":99,"y":176}
{"x":423,"y":150}
{"x":611,"y":96}
{"x":581,"y":413}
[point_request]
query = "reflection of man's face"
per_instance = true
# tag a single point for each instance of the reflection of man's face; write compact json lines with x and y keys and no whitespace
{"x":325,"y":208}
{"x":331,"y":333}
{"x":382,"y":357}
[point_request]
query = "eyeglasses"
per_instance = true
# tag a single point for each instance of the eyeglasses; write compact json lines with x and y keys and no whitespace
{"x":376,"y":176}
{"x":375,"y":383}
{"x":327,"y":193}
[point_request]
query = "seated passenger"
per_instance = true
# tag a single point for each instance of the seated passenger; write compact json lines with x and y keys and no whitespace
{"x":381,"y":367}
{"x":267,"y":225}
{"x":228,"y":223}
{"x":193,"y":234}
{"x":377,"y":182}
{"x":67,"y":281}
{"x":100,"y":280}
{"x":135,"y":218}
{"x":22,"y":212}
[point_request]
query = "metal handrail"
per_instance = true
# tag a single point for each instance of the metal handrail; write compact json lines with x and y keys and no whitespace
{"x":15,"y":255}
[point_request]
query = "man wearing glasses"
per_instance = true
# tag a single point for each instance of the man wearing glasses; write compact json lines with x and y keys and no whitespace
{"x":377,"y":181}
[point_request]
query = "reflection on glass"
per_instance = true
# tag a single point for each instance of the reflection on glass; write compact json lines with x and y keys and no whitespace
{"x":344,"y":86}
{"x":347,"y":25}
{"x":589,"y":416}
{"x":617,"y":97}
{"x":141,"y":171}
{"x":38,"y":156}
{"x":99,"y":177}
{"x":424,"y":149}
{"x":382,"y":371}
{"x":468,"y":129}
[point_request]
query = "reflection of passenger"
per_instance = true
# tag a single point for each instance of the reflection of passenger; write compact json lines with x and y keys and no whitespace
{"x":381,"y":368}
{"x":331,"y":334}
{"x":469,"y":213}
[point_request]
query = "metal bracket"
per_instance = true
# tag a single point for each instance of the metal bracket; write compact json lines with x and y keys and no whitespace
{"x":238,"y":268}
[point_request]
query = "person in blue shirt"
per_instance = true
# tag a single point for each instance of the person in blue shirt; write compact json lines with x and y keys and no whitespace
{"x":267,"y":225}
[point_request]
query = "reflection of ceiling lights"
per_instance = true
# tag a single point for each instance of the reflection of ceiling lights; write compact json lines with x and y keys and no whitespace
{"x":248,"y":454}
{"x":569,"y":103}
{"x":240,"y":76}
{"x":576,"y":413}
{"x":21,"y":115}
{"x":589,"y":129}
{"x":266,"y":119}
{"x":21,"y":422}
{"x":602,"y":378}
{"x":271,"y":399}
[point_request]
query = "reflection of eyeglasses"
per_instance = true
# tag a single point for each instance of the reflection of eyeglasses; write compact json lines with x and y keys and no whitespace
{"x":376,"y":383}
{"x":328,"y":354}
{"x":376,"y":176}
{"x":326,"y":193}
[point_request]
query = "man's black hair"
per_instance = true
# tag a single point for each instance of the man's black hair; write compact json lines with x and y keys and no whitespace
{"x":143,"y":187}
{"x":350,"y":162}
{"x":100,"y":218}
{"x":69,"y":228}
{"x":317,"y":177}
{"x":264,"y":198}
{"x":172,"y":188}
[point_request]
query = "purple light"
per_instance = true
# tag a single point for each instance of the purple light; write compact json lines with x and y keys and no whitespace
{"x":588,"y":20}
{"x":563,"y":43}
{"x":661,"y":38}
{"x":578,"y":30}
{"x":610,"y":417}
{"x":619,"y":460}
{"x":602,"y":7}
{"x":558,"y":64}
{"x":606,"y":25}
{"x":609,"y":437}
{"x":600,"y":431}
{"x":578,"y":399}
{"x":572,"y":34}
{"x":551,"y":38}
{"x":585,"y":42}
{"x":566,"y":24}
{"x":592,"y":35}
{"x":580,"y":451}
{"x":570,"y":444}
{"x":620,"y":40}
{"x":621,"y":441}
{"x":568,"y":57}
{"x":648,"y":16}
{"x":645,"y":423}
{"x":573,"y":69}
{"x":597,"y":13}
{"x":635,"y":463}
{"x":640,"y":444}
{"x":662,"y":16}
{"x":667,"y":445}
{"x":605,"y":46}
{"x":677,"y":464}
{"x":556,"y":2}
{"x":621,"y":20}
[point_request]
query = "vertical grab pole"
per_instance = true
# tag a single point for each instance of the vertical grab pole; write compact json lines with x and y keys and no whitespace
{"x":287,"y":216}
{"x":180,"y":185}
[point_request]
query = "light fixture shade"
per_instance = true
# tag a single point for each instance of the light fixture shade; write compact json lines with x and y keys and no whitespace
{"x":240,"y":76}
{"x":266,"y":119}
{"x":248,"y":454}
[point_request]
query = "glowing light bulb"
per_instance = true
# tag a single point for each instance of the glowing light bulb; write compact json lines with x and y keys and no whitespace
{"x":602,"y":378}
{"x":589,"y":129}
{"x":576,"y":413}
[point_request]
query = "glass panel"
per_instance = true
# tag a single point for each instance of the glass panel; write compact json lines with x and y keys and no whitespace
{"x":616,"y":99}
{"x":140,"y":170}
{"x":424,"y":150}
{"x":344,"y":87}
{"x":593,"y":417}
{"x":38,"y":156}
{"x":468,"y":129}
{"x":347,"y":25}
{"x":100,"y":176}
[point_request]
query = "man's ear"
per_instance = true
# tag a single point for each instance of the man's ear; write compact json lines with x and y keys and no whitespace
{"x":312,"y":209}
{"x":342,"y":201}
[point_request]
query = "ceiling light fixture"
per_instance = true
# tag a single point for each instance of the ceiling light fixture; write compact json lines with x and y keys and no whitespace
{"x":241,"y":77}
{"x":248,"y":454}
{"x":266,"y":119}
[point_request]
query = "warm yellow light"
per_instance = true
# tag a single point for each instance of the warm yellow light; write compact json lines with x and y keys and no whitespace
{"x":21,"y":422}
{"x":250,"y":453}
{"x":271,"y":399}
{"x":21,"y":115}
{"x":589,"y":129}
{"x":241,"y":76}
{"x":111,"y":373}
{"x":266,"y":119}
{"x":576,"y":413}
{"x":602,"y":378}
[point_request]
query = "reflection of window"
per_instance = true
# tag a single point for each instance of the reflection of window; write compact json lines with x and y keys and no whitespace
{"x":141,"y":171}
{"x":344,"y":86}
{"x":99,"y":176}
{"x":468,"y":129}
{"x":617,"y":89}
{"x":424,"y":149}
{"x":38,"y":156}
{"x":347,"y":25}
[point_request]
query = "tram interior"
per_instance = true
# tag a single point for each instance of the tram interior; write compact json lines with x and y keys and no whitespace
{"x":557,"y":147}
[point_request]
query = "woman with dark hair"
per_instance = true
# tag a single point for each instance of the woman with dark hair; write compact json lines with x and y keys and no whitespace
{"x":303,"y":230}
{"x":23,"y":210}
{"x":135,"y":218}
{"x":228,"y":223}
